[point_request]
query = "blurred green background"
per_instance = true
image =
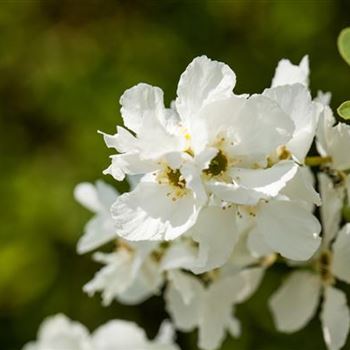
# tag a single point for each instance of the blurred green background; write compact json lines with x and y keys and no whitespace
{"x":63,"y":66}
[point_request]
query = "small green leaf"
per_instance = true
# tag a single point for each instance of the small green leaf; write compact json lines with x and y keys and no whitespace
{"x":344,"y":110}
{"x":344,"y":44}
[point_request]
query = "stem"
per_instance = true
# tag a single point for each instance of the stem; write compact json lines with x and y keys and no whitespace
{"x":317,"y":160}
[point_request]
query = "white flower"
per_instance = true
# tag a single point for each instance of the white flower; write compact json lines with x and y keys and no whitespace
{"x":295,"y":100}
{"x":287,"y":73}
{"x":333,"y":141}
{"x":124,"y":335}
{"x":210,"y":309}
{"x":101,"y":228}
{"x":156,"y":209}
{"x":223,"y":146}
{"x":60,"y":333}
{"x":166,"y":203}
{"x":306,"y":287}
{"x":131,"y":275}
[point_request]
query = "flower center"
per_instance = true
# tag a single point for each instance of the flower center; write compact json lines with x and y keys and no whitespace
{"x":218,"y":165}
{"x":324,"y":267}
{"x":175,"y":178}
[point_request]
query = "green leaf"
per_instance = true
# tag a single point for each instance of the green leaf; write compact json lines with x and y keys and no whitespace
{"x":344,"y":44}
{"x":344,"y":110}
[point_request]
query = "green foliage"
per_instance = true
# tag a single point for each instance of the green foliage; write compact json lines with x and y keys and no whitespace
{"x":344,"y":44}
{"x":344,"y":110}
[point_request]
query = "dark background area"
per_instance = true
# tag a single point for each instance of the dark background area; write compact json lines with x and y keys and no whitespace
{"x":63,"y":67}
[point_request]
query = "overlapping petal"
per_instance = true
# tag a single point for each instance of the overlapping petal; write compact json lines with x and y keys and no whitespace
{"x":335,"y":317}
{"x":298,"y":239}
{"x":304,"y":288}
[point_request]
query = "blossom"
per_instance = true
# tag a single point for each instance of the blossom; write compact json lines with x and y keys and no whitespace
{"x":210,"y":309}
{"x":131,"y":274}
{"x":101,"y":228}
{"x":59,"y":332}
{"x":223,"y":150}
{"x":209,"y":306}
{"x":177,"y":195}
{"x":306,"y":287}
{"x":333,"y":141}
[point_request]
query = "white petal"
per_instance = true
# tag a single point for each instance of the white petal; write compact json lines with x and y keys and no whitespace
{"x":98,"y":231}
{"x":332,"y":203}
{"x":251,"y":185}
{"x":334,"y":141}
{"x":107,"y":194}
{"x":147,"y":213}
{"x":123,"y":141}
{"x":335,"y":317}
{"x":193,"y":177}
{"x":301,"y":188}
{"x":252,"y":279}
{"x":183,"y":298}
{"x":257,"y":244}
{"x":295,"y":302}
{"x":59,"y":332}
{"x":216,"y":233}
{"x":325,"y":124}
{"x":338,"y":145}
{"x":234,"y":327}
{"x":341,"y":257}
{"x":181,"y":254}
{"x":289,"y":229}
{"x":323,"y":97}
{"x":119,"y":335}
{"x":114,"y":278}
{"x":241,"y":256}
{"x":295,"y":100}
{"x":264,"y":183}
{"x":86,"y":194}
{"x":216,"y":312}
{"x":213,"y":120}
{"x":166,"y":333}
{"x":140,"y":100}
{"x":145,"y":274}
{"x":130,"y":164}
{"x":260,"y":127}
{"x":288,"y":73}
{"x":203,"y":81}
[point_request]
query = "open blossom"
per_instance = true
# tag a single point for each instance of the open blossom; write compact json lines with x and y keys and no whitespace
{"x":224,"y":189}
{"x":60,"y":333}
{"x":215,"y":149}
{"x":209,"y":306}
{"x":131,"y":273}
{"x":101,"y":228}
{"x":210,"y":309}
{"x":306,"y":287}
{"x":333,"y":143}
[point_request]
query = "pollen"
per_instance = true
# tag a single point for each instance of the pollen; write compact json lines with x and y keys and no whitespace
{"x":283,"y":153}
{"x":218,"y":165}
{"x":175,"y":178}
{"x":187,"y":136}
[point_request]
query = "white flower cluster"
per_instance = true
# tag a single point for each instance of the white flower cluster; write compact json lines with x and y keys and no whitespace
{"x":221,"y":189}
{"x":60,"y":333}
